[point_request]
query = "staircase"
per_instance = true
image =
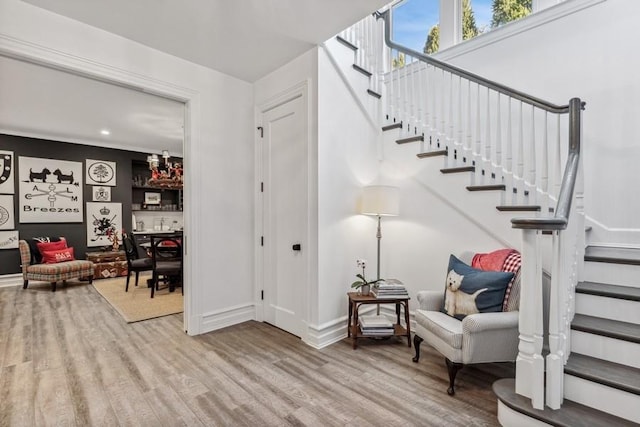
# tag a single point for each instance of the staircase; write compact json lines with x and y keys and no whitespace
{"x":602,"y":374}
{"x":592,"y":371}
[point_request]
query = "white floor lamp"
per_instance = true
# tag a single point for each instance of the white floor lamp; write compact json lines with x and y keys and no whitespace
{"x":380,"y":200}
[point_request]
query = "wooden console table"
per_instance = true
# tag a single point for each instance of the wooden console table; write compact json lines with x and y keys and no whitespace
{"x":356,"y":300}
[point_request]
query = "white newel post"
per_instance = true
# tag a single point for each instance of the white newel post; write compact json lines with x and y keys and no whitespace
{"x":530,"y":363}
{"x":557,"y":325}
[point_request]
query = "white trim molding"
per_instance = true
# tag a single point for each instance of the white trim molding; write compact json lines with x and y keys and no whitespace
{"x":229,"y":316}
{"x":506,"y":31}
{"x":53,"y":58}
{"x":8,"y":280}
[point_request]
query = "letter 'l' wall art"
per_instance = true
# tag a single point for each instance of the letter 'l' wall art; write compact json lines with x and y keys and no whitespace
{"x":50,"y":190}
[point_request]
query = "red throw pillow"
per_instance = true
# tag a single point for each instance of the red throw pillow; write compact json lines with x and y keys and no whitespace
{"x":53,"y":257}
{"x":51,"y":246}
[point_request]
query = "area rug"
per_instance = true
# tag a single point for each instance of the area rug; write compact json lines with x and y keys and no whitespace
{"x":137,"y":304}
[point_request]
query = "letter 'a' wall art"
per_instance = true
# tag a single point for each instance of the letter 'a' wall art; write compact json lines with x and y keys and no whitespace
{"x":102,"y":219}
{"x":100,"y":172}
{"x":6,"y":173}
{"x":50,"y":190}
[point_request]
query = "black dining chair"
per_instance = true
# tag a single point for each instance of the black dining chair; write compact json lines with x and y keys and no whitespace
{"x":166,"y":257}
{"x":134,"y":262}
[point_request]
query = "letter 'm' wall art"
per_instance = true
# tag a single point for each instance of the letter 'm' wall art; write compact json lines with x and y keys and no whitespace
{"x":50,"y":190}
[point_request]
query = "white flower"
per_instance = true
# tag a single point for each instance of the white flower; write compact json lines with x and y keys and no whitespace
{"x":361,"y":263}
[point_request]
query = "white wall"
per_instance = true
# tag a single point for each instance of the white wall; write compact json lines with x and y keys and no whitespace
{"x":415,"y":245}
{"x":302,"y":69}
{"x":218,"y":216}
{"x":589,"y":54}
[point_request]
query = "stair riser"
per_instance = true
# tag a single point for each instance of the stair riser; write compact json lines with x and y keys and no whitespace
{"x":614,"y":274}
{"x":601,"y":397}
{"x":510,"y":418}
{"x":608,"y":308}
{"x":614,"y":350}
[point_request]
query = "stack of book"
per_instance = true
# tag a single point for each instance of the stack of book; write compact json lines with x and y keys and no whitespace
{"x":378,"y":326}
{"x":389,"y":289}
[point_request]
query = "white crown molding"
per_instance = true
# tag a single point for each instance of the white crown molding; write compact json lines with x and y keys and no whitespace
{"x":53,"y":58}
{"x":71,"y":140}
{"x":506,"y":31}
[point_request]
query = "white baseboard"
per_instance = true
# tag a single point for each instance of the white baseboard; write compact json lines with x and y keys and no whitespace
{"x":219,"y":319}
{"x":7,"y":280}
{"x":320,"y":336}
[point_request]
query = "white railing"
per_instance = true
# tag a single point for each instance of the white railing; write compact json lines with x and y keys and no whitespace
{"x":511,"y":139}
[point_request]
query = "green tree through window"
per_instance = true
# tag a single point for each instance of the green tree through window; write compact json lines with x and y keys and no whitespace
{"x":509,"y":10}
{"x":469,"y":29}
{"x":503,"y":11}
{"x":433,"y":40}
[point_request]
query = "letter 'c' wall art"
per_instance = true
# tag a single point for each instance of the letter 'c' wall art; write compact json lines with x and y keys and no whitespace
{"x":50,"y":190}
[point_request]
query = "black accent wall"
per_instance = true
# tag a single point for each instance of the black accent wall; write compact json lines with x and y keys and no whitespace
{"x":75,"y":233}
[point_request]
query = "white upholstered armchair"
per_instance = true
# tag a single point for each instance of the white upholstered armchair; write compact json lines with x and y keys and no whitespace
{"x":477,"y":338}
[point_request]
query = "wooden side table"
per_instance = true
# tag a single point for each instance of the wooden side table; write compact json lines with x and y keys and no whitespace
{"x":356,"y":300}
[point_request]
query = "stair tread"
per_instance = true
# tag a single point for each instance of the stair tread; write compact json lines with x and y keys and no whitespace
{"x":515,"y":208}
{"x":604,"y":372}
{"x":459,"y":169}
{"x":433,"y":153}
{"x":612,"y":255}
{"x":346,"y":43}
{"x":362,"y":70}
{"x":374,"y":93}
{"x":490,"y":187}
{"x":607,"y":327}
{"x":410,"y":139}
{"x":392,"y":126}
{"x":610,"y":291}
{"x":571,"y":414}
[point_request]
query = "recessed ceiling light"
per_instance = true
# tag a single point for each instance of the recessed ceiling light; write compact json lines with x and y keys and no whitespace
{"x":105,"y":132}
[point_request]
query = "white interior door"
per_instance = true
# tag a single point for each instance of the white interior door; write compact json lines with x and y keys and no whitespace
{"x":285,"y":214}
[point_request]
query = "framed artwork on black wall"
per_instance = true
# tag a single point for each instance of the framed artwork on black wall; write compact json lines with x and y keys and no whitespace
{"x":103,"y":220}
{"x":50,"y":190}
{"x":101,"y":172}
{"x":6,"y":173}
{"x":7,"y":221}
{"x":9,"y":239}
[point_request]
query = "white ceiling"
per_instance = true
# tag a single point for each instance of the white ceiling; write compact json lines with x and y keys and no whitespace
{"x":243,"y":38}
{"x":246,"y":39}
{"x":52,"y":104}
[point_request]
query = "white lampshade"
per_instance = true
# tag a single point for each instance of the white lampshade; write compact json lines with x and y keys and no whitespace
{"x":380,"y":200}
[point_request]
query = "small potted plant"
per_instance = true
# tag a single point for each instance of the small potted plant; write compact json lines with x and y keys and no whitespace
{"x":363,"y":285}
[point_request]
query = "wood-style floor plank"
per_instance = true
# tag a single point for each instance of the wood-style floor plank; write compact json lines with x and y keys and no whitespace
{"x":68,"y":358}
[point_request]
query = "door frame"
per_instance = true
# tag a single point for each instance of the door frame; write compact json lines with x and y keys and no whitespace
{"x":52,"y":58}
{"x":299,"y":90}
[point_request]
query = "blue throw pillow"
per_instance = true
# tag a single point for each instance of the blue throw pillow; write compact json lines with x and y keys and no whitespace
{"x":469,"y":290}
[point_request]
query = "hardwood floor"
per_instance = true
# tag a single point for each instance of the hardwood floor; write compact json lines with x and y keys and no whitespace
{"x":68,"y":359}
